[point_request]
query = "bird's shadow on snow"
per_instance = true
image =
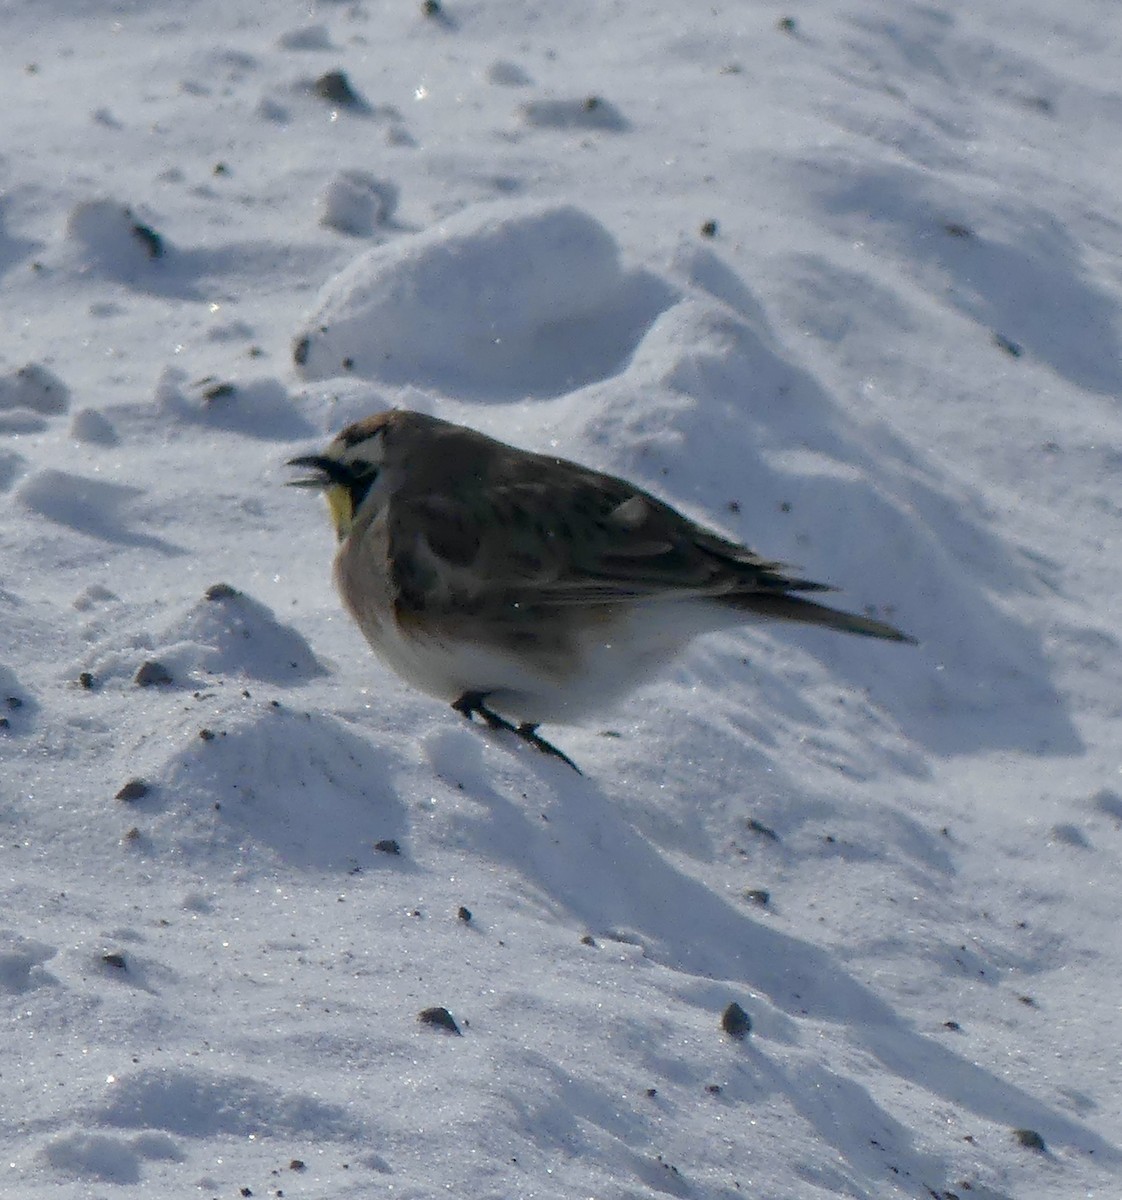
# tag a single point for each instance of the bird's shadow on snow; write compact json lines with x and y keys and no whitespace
{"x":599,"y":873}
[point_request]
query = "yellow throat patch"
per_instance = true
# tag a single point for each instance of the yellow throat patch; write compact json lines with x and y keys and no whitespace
{"x":342,"y":508}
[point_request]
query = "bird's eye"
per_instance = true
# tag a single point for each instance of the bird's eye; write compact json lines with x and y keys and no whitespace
{"x":363,"y":475}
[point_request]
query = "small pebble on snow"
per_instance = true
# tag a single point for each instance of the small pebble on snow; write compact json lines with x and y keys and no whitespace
{"x":439,"y":1018}
{"x":335,"y":87}
{"x":1030,"y":1139}
{"x":152,"y":673}
{"x":735,"y":1021}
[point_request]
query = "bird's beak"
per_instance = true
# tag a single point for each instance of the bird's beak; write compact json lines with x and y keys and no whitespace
{"x":329,"y":472}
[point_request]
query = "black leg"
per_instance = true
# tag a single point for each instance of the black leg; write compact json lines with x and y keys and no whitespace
{"x":473,"y":704}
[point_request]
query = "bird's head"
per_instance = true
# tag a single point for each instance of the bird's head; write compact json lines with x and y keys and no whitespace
{"x":346,"y":470}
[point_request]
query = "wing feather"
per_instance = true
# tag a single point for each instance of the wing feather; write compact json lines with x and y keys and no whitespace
{"x":607,"y":542}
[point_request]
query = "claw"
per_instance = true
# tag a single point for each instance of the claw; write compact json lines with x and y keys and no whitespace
{"x":529,"y":733}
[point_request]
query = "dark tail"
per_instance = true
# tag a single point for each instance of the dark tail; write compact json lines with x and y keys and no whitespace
{"x":792,"y":608}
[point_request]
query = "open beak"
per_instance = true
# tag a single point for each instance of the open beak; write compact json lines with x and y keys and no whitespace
{"x":328,"y":472}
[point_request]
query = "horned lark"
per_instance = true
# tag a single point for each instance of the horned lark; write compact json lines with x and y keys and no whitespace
{"x":506,"y":582}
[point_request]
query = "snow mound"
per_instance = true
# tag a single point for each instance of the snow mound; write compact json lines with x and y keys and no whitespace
{"x":299,"y":785}
{"x":355,"y":203}
{"x":196,"y":1103}
{"x":500,"y":301}
{"x":1010,"y":265}
{"x":21,"y":963}
{"x":583,"y":112}
{"x":35,"y":388}
{"x":92,"y":427}
{"x":230,"y":633}
{"x":109,"y":237}
{"x":109,"y":1159}
{"x":793,"y":474}
{"x":259,"y":408}
{"x":226,"y":634}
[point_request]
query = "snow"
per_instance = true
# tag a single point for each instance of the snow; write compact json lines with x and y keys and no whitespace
{"x":499,"y":302}
{"x":842,"y":280}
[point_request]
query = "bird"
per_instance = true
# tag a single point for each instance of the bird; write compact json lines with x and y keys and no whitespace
{"x":522,"y":588}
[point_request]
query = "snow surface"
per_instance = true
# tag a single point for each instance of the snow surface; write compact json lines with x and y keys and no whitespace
{"x":844,"y":279}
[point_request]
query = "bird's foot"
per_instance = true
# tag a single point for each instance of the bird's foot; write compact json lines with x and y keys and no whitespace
{"x":473,"y":704}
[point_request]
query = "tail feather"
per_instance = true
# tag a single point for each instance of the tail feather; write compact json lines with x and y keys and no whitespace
{"x":792,"y":608}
